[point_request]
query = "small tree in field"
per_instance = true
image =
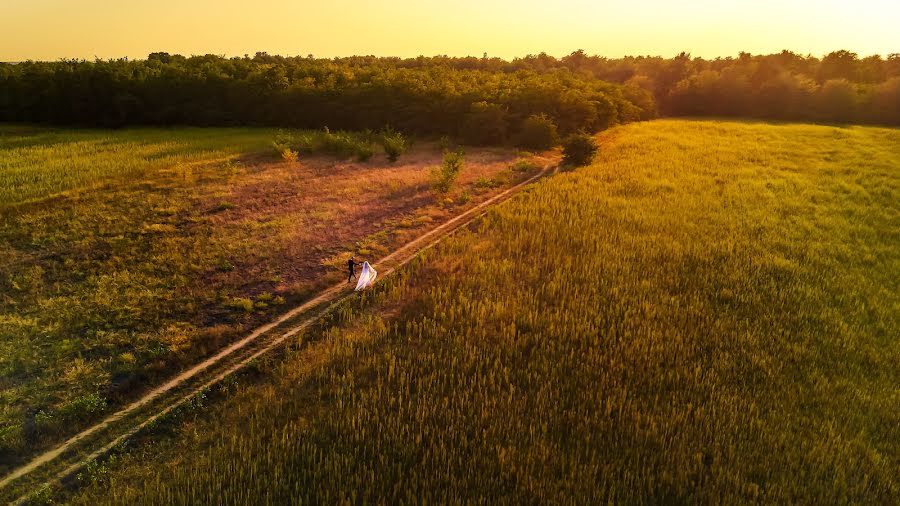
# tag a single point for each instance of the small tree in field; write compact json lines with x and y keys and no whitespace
{"x":289,"y":155}
{"x":538,"y":132}
{"x":394,"y":144}
{"x":579,"y":150}
{"x":442,"y":177}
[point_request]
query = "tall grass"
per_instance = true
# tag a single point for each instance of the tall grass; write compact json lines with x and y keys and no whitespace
{"x":706,"y":314}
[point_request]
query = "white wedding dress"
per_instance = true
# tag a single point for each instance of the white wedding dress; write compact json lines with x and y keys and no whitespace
{"x":366,"y":277}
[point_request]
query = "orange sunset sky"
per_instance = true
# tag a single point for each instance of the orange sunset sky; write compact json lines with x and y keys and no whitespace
{"x":53,"y":29}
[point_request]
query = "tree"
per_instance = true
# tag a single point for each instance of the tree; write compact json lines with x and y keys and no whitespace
{"x":443,"y":177}
{"x":482,"y":100}
{"x":484,"y":124}
{"x":838,"y":101}
{"x":786,"y":96}
{"x":839,"y":65}
{"x":538,"y":132}
{"x":884,"y":102}
{"x":394,"y":144}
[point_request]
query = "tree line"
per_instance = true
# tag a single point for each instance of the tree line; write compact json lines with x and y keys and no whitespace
{"x":483,"y":106}
{"x":839,"y":87}
{"x":482,"y":100}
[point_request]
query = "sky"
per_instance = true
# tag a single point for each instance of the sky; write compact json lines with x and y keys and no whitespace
{"x":54,"y":29}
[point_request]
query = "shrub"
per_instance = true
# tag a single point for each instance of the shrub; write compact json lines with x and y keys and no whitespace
{"x":524,"y":166}
{"x":444,"y":176}
{"x":579,"y":149}
{"x":394,"y":144}
{"x":483,"y":183}
{"x":283,"y":141}
{"x":538,"y":132}
{"x":340,"y":144}
{"x":241,"y":303}
{"x":364,"y":152}
{"x":83,"y":407}
{"x":289,"y":155}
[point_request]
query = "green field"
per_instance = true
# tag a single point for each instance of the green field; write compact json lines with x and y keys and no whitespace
{"x":709,"y":313}
{"x":39,"y":162}
{"x":126,"y":255}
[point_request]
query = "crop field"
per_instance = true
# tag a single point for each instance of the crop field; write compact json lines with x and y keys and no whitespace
{"x":127,"y":254}
{"x":708,"y":313}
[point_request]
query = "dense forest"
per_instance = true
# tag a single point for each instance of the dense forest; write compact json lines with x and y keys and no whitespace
{"x":483,"y":105}
{"x":484,"y":100}
{"x":839,"y":88}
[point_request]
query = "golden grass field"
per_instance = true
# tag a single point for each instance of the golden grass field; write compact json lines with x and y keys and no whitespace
{"x":709,"y":313}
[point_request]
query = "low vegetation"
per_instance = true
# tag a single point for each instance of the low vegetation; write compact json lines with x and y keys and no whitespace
{"x":344,"y":145}
{"x":443,"y":176}
{"x":125,"y":255}
{"x":579,"y":149}
{"x":706,"y":314}
{"x":39,"y":162}
{"x":394,"y":144}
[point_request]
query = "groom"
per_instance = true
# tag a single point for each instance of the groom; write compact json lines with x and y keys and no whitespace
{"x":350,"y":265}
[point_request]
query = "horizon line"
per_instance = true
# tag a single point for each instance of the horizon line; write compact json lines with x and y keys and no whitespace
{"x":887,"y":55}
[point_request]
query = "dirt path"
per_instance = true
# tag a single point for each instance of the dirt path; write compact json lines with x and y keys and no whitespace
{"x":230,"y":357}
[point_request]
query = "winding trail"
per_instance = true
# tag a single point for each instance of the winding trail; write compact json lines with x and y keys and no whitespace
{"x":97,"y":440}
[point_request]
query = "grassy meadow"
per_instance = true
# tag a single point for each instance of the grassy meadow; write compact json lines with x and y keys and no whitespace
{"x":127,"y":254}
{"x":38,"y":162}
{"x":709,"y":313}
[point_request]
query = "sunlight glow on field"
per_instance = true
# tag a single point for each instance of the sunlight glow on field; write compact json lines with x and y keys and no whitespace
{"x":504,"y":28}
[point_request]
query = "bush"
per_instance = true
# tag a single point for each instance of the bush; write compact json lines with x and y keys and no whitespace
{"x":83,"y":407}
{"x":524,"y":166}
{"x":340,"y":144}
{"x":364,"y":152}
{"x":483,"y":183}
{"x":241,"y":303}
{"x":579,"y":149}
{"x":283,"y":141}
{"x":289,"y":155}
{"x":444,"y":176}
{"x":394,"y":144}
{"x":538,"y":132}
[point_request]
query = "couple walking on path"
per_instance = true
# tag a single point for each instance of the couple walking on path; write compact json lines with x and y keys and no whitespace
{"x":366,"y":277}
